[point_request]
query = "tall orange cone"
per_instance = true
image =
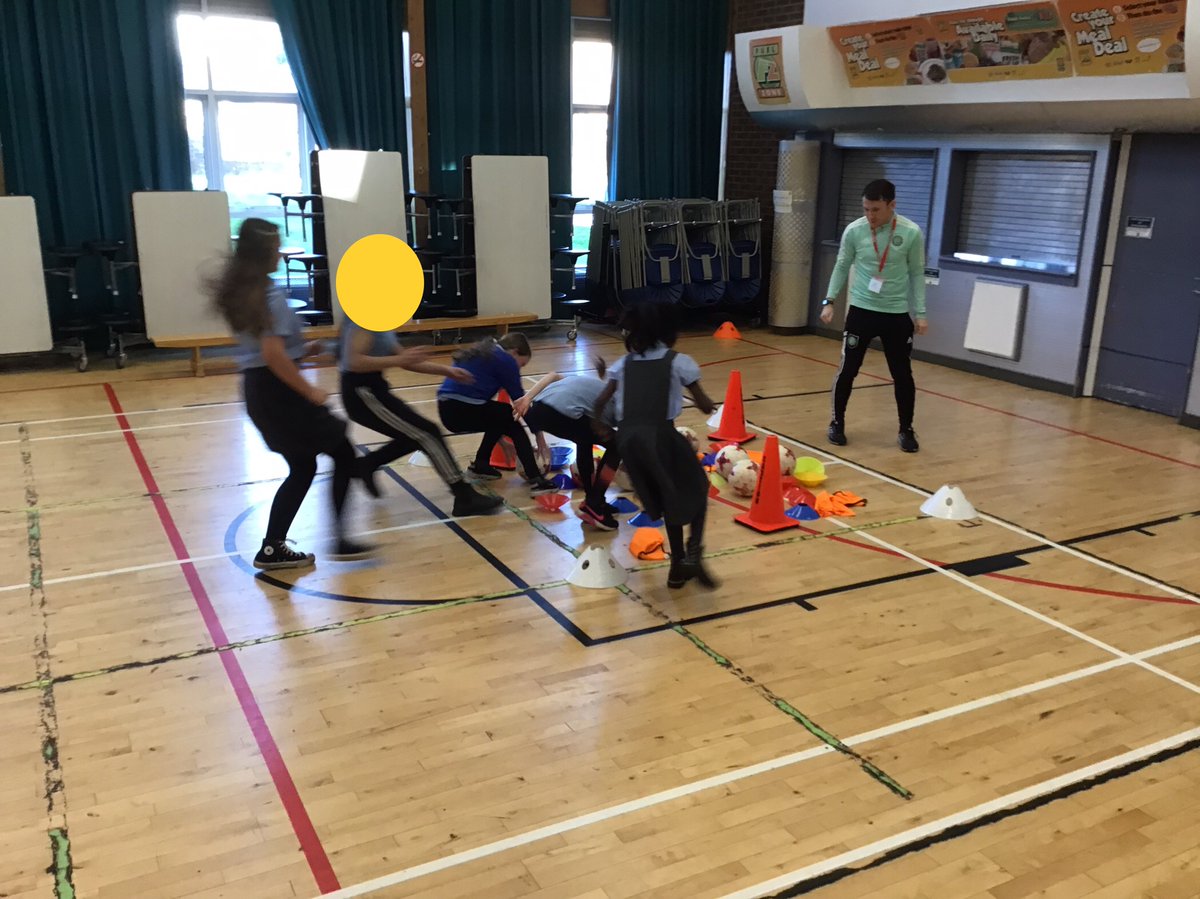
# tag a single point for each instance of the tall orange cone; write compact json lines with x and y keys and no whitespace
{"x":766,"y":509}
{"x":733,"y":420}
{"x":504,"y":454}
{"x":728,"y":331}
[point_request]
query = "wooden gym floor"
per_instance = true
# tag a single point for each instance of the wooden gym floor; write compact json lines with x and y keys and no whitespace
{"x":883,"y":705}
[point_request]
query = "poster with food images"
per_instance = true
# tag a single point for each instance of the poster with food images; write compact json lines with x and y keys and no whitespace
{"x":1001,"y":43}
{"x":1138,"y":37}
{"x":885,"y":54}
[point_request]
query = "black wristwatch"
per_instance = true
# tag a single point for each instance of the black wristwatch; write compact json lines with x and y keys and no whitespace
{"x":826,"y":302}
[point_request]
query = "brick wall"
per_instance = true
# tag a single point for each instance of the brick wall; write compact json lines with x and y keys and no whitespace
{"x":752,"y":153}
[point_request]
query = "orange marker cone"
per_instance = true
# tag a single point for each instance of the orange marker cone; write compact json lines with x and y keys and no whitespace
{"x":504,"y":454}
{"x":766,"y":509}
{"x":727,"y":331}
{"x":733,"y":420}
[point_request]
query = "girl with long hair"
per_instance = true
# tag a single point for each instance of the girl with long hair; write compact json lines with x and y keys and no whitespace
{"x":288,"y":411}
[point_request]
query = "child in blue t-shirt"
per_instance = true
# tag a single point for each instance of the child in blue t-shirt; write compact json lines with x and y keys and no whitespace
{"x":469,"y":408}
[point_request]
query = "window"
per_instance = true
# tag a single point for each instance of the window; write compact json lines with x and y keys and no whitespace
{"x":246,"y":129}
{"x":591,"y":88}
{"x":1024,"y":211}
{"x":910,"y":170}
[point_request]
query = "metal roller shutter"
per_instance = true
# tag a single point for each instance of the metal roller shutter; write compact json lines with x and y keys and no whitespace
{"x":1027,"y":208}
{"x":910,"y":170}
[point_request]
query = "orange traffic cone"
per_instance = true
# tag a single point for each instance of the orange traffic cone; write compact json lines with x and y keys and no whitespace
{"x":733,"y":420}
{"x":766,"y":509}
{"x":727,"y":331}
{"x":504,"y":454}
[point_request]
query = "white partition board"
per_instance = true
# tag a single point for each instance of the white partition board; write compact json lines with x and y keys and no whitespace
{"x":23,"y":302}
{"x":181,"y":238}
{"x":511,"y":200}
{"x":997,"y":318}
{"x":362,"y":194}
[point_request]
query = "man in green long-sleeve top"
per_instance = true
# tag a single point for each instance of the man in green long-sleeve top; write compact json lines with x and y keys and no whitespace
{"x":887,"y":253}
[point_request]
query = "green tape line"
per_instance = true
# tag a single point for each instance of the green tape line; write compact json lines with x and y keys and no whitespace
{"x":61,"y":866}
{"x":783,"y":705}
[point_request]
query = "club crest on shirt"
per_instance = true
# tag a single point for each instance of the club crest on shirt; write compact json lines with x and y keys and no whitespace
{"x":898,"y":241}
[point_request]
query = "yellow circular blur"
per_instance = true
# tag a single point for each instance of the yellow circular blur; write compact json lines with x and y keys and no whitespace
{"x":380,"y":282}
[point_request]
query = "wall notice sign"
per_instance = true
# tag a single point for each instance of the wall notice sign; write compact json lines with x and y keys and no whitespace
{"x":933,"y":276}
{"x":766,"y":60}
{"x":783,"y":201}
{"x":1139,"y":226}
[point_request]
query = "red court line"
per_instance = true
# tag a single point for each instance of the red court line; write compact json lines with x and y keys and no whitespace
{"x":1071,"y":588}
{"x":310,"y":843}
{"x":1036,"y":421}
{"x":1094,"y":591}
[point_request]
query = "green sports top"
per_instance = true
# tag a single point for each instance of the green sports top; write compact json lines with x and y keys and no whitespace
{"x":903,"y":252}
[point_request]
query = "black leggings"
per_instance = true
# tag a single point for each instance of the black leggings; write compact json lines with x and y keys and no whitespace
{"x":895,"y":331}
{"x":299,"y":431}
{"x":291,"y":493}
{"x":579,"y":431}
{"x":494,"y":420}
{"x":369,"y":403}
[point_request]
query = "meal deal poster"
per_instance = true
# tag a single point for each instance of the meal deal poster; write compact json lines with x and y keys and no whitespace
{"x":1138,"y":37}
{"x":885,"y":54}
{"x":1002,"y":43}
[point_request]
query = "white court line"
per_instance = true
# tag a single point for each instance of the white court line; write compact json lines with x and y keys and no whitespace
{"x":182,"y":424}
{"x":966,"y":816}
{"x":1016,"y":529}
{"x":137,"y":429}
{"x":150,"y":566}
{"x":727,"y":777}
{"x":198,"y":406}
{"x":1025,"y":610}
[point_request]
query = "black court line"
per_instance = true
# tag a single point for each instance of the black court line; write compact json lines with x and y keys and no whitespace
{"x":961,"y":830}
{"x":982,"y":565}
{"x":542,"y":603}
{"x":800,"y":599}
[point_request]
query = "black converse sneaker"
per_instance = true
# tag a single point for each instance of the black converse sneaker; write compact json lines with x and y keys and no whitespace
{"x":540,"y":485}
{"x":485,"y":473}
{"x":471,"y":502}
{"x":907,"y":439}
{"x":836,"y":433}
{"x":347,"y":550}
{"x":276,"y":554}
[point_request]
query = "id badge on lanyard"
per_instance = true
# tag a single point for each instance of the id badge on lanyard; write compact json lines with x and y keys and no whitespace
{"x":876,"y":285}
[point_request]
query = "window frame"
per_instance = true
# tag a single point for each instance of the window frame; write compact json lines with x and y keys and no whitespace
{"x":599,"y":30}
{"x":214,"y":164}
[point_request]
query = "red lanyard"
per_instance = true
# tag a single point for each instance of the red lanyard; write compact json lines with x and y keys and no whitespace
{"x":887,"y":249}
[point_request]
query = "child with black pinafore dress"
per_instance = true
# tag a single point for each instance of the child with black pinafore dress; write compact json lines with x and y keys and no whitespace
{"x":647,"y":386}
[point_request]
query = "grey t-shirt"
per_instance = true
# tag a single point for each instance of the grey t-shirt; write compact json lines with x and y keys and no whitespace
{"x":283,"y":323}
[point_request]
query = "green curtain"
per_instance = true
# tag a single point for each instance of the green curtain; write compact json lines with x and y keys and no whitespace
{"x":91,"y":109}
{"x":668,"y":72}
{"x":348,"y":62}
{"x":499,"y":83}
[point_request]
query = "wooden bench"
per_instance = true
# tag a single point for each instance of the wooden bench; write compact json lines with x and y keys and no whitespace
{"x":198,"y":342}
